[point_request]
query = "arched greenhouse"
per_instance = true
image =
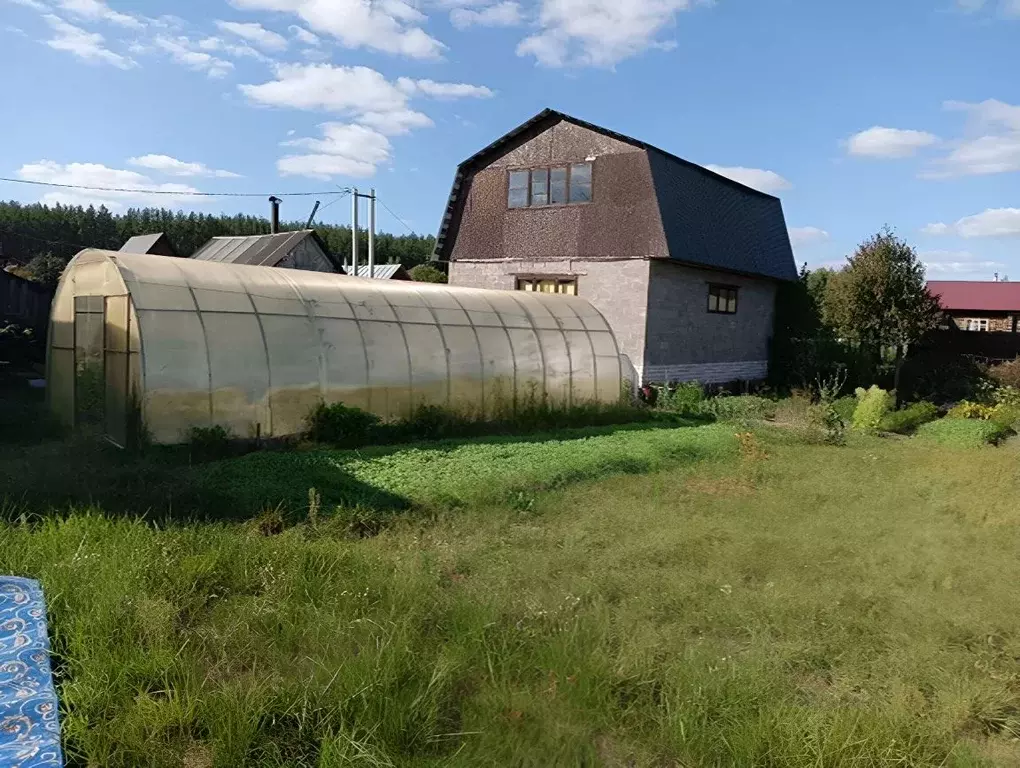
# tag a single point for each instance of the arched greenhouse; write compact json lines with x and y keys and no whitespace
{"x":160,"y":344}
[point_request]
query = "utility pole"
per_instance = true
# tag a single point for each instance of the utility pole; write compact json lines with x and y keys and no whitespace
{"x":354,"y":232}
{"x":371,"y":234}
{"x":355,"y":196}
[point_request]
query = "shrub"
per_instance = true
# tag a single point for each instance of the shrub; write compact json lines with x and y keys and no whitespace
{"x":1006,"y":395}
{"x":207,"y":443}
{"x":681,"y":398}
{"x":1006,"y":374}
{"x":340,"y":425}
{"x":745,"y":407}
{"x":827,"y":421}
{"x":872,"y":405}
{"x":962,"y":433}
{"x":1005,"y":415}
{"x":426,"y":273}
{"x":844,"y":408}
{"x":910,"y":418}
{"x":965,"y":409}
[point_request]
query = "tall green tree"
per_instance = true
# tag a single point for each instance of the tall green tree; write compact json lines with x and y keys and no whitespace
{"x":879,"y":299}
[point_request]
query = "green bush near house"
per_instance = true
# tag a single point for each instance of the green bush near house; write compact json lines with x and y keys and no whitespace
{"x":906,"y":420}
{"x":872,"y":406}
{"x":963,"y":433}
{"x":684,"y":398}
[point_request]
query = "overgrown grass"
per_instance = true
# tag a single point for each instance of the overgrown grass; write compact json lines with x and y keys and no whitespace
{"x":788,"y":606}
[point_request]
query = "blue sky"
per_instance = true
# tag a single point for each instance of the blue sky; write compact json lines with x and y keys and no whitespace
{"x":899,"y":112}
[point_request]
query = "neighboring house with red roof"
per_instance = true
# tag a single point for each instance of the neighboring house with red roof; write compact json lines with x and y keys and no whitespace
{"x":979,"y":305}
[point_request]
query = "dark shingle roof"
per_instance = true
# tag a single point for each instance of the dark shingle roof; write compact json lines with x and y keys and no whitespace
{"x":709,"y":219}
{"x":259,"y":250}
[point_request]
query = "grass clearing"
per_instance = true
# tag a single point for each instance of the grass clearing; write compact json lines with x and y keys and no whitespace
{"x":783,"y":605}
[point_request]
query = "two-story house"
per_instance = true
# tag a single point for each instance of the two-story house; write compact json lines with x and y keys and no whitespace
{"x":684,"y":263}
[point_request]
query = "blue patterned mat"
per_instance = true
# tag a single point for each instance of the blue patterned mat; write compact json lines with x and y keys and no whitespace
{"x":29,"y":730}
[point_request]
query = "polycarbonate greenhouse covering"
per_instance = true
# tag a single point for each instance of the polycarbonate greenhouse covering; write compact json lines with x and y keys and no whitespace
{"x":156,"y":345}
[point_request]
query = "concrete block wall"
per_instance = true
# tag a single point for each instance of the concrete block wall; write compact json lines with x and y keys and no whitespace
{"x":617,"y":288}
{"x":686,"y":342}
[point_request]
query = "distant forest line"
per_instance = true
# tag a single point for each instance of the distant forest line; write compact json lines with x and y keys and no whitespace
{"x":33,"y":230}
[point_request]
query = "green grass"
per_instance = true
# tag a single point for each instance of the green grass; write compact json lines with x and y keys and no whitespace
{"x":963,"y":433}
{"x":643,"y":597}
{"x":455,"y":474}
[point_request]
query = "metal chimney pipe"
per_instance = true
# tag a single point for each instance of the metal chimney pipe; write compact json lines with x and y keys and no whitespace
{"x":274,"y":220}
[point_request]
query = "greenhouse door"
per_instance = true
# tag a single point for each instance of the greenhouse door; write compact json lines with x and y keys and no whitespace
{"x":116,"y":365}
{"x":89,"y":376}
{"x":101,"y":364}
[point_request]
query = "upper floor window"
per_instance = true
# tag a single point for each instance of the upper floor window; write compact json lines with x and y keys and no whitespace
{"x":722,"y":299}
{"x":975,"y":324}
{"x":550,"y":186}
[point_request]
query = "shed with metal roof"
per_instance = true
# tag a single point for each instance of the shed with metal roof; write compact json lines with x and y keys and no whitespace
{"x":301,"y":249}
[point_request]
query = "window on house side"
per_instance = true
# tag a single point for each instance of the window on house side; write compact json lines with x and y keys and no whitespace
{"x":518,"y":197}
{"x":540,"y":187}
{"x":580,"y":183}
{"x":722,"y":299}
{"x":977,"y":324}
{"x":564,"y":285}
{"x":558,"y":186}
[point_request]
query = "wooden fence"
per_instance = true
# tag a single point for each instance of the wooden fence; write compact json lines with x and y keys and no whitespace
{"x":25,"y":303}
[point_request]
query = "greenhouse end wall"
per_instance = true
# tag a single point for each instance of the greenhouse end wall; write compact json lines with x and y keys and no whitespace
{"x":253,"y":349}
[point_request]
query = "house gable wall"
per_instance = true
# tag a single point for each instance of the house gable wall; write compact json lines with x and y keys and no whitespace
{"x":622,"y":221}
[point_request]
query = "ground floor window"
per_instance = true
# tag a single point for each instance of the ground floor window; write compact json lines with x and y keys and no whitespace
{"x":722,"y":299}
{"x":974,"y":324}
{"x":565,"y":285}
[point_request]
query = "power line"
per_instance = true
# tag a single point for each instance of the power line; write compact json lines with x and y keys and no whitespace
{"x":166,"y":191}
{"x":397,"y":217}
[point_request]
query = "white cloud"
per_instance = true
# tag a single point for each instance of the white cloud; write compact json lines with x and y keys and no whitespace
{"x":95,"y":10}
{"x":504,"y":14}
{"x":35,"y":5}
{"x":442,"y":90}
{"x":806,"y":236}
{"x":600,"y":33}
{"x":255,"y":33}
{"x":937,"y":229}
{"x":303,"y":36}
{"x":992,"y":145}
{"x":171,"y":166}
{"x":358,"y":92}
{"x":389,"y":26}
{"x":351,"y":90}
{"x":343,"y":150}
{"x":970,"y":6}
{"x":769,"y":182}
{"x":377,"y":108}
{"x":956,"y":265}
{"x":88,"y":46}
{"x":96,"y":175}
{"x":994,"y":222}
{"x":184,"y":52}
{"x":396,"y":122}
{"x":1011,"y":9}
{"x":1008,"y":8}
{"x":238,"y":50}
{"x":889,"y":142}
